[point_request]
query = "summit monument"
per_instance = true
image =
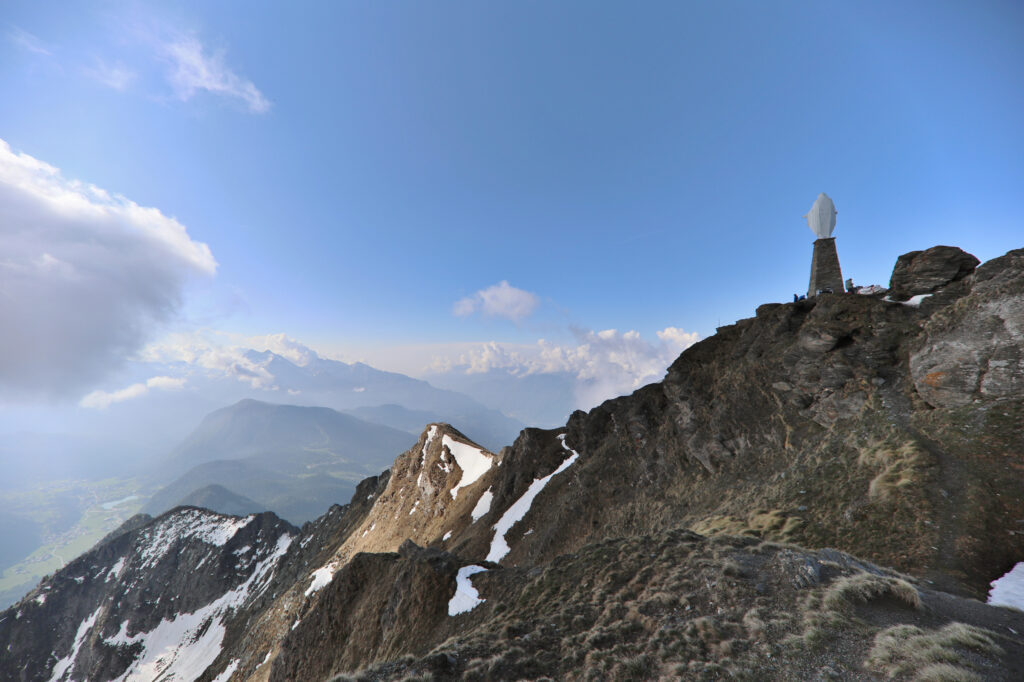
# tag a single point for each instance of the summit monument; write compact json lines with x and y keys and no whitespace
{"x":826,"y":276}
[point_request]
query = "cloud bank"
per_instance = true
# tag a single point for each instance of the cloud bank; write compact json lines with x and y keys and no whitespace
{"x":604,"y":364}
{"x":228,"y":355}
{"x":499,"y":300}
{"x":84,"y":277}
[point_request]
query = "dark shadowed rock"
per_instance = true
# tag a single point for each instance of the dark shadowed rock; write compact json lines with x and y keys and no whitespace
{"x":922,"y":272}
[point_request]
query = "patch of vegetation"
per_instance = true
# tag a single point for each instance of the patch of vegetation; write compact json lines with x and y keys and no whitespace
{"x":772,"y":524}
{"x":900,"y":468}
{"x":945,"y":655}
{"x":864,"y":587}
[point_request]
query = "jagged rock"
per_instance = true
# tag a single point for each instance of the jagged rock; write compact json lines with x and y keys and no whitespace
{"x":975,"y":350}
{"x":922,"y":272}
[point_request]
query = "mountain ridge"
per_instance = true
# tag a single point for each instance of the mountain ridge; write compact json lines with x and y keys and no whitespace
{"x":842,"y":423}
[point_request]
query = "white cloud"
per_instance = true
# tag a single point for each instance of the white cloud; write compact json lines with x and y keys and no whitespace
{"x":677,"y":338}
{"x":604,"y":364}
{"x":499,"y":300}
{"x":27,"y":41}
{"x":280,"y":344}
{"x":228,"y":355}
{"x":116,"y":76}
{"x":166,"y":383}
{"x":101,"y":400}
{"x":84,"y":276}
{"x":218,"y":353}
{"x":194,"y":69}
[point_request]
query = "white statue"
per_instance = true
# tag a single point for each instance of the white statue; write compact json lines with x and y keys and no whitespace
{"x":822,"y":217}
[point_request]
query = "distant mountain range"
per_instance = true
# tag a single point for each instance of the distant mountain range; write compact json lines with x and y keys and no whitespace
{"x":344,"y":386}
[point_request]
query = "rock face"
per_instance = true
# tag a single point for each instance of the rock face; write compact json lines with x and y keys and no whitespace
{"x":973,"y":351}
{"x":156,"y":598}
{"x":888,"y":431}
{"x":922,"y":272}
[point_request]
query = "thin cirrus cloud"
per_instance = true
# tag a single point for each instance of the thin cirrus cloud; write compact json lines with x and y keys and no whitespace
{"x":101,"y":400}
{"x":115,"y":76}
{"x":499,"y":300}
{"x":85,"y":276}
{"x":190,"y":66}
{"x":27,"y":41}
{"x":193,"y":69}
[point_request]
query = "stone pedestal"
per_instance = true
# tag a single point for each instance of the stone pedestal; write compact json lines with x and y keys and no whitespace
{"x":825,"y":272}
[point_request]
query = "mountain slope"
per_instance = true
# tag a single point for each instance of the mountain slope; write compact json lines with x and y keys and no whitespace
{"x":221,"y":500}
{"x":345,"y":386}
{"x":295,"y":461}
{"x":287,"y":433}
{"x":297,"y":498}
{"x":886,"y":430}
{"x":487,"y":427}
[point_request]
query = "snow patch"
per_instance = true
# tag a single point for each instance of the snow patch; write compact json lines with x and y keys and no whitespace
{"x":321,"y":578}
{"x":446,"y":536}
{"x":473,"y":462}
{"x":202,"y":525}
{"x":483,"y":505}
{"x":1009,"y":590}
{"x":228,"y":671}
{"x":62,"y":666}
{"x":41,"y":599}
{"x":515,"y":513}
{"x":915,"y":301}
{"x":115,"y":571}
{"x":426,"y":444}
{"x":466,"y":598}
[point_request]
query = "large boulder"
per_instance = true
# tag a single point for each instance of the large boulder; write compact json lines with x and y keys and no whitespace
{"x":923,"y":272}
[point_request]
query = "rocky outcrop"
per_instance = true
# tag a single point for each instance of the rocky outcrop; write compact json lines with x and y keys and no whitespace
{"x":923,"y":272}
{"x":974,"y":351}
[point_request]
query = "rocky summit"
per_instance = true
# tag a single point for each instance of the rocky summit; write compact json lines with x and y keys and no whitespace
{"x":822,"y":491}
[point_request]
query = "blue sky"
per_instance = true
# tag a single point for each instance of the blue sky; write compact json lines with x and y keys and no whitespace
{"x":360,"y":171}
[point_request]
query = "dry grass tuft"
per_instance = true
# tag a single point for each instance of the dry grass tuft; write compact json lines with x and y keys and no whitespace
{"x":864,"y":587}
{"x":900,"y":468}
{"x":937,"y":655}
